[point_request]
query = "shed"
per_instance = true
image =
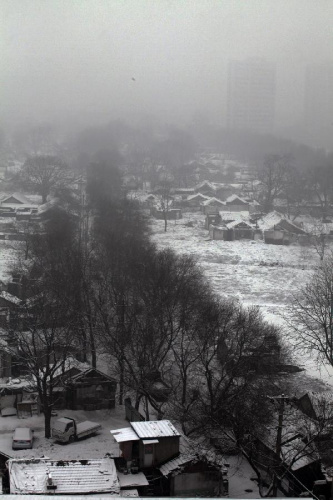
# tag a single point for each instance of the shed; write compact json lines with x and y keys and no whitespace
{"x":192,"y":476}
{"x":150,"y":443}
{"x":89,"y":390}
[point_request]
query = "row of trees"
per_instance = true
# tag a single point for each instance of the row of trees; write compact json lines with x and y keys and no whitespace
{"x":97,"y":286}
{"x":301,"y":190}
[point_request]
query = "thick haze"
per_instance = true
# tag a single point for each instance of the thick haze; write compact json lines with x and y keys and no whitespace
{"x":76,"y":60}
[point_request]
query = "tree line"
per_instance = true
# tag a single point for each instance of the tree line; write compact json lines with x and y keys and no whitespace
{"x":95,"y":286}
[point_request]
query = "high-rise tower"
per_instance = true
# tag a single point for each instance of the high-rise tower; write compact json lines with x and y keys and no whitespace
{"x":251,"y":95}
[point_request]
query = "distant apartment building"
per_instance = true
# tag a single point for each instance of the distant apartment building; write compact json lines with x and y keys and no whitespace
{"x":251,"y":95}
{"x":318,"y":103}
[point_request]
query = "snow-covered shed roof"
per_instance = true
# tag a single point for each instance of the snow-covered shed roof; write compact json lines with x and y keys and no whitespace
{"x":10,"y":298}
{"x":176,"y":463}
{"x":69,"y":477}
{"x":155,"y":429}
{"x":124,"y":434}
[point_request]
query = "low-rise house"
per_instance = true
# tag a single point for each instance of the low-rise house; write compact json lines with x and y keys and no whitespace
{"x":149,"y":443}
{"x":206,"y":188}
{"x":190,"y":475}
{"x":241,"y":230}
{"x":63,"y":477}
{"x":236,"y":203}
{"x":212,"y":205}
{"x":15,"y":200}
{"x":278,"y":230}
{"x":171,"y":469}
{"x":84,"y":389}
{"x":195,"y":200}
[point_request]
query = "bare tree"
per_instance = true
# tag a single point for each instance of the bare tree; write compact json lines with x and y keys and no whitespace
{"x":41,"y":343}
{"x":165,"y":197}
{"x":320,"y":185}
{"x":44,"y":173}
{"x":273,"y":176}
{"x":319,"y":237}
{"x":310,"y":316}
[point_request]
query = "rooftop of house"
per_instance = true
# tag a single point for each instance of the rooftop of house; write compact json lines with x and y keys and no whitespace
{"x":197,"y":195}
{"x":68,"y":477}
{"x":235,"y":197}
{"x":155,"y":429}
{"x":125,"y":434}
{"x":211,"y":201}
{"x":18,"y":197}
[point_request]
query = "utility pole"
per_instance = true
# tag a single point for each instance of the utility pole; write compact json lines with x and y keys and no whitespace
{"x":281,"y":400}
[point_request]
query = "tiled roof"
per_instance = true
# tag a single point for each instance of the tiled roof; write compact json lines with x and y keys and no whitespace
{"x":155,"y":429}
{"x":70,"y":477}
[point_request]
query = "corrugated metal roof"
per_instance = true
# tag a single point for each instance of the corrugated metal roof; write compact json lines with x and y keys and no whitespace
{"x":125,"y":434}
{"x":176,"y":463}
{"x":70,"y":477}
{"x":155,"y":429}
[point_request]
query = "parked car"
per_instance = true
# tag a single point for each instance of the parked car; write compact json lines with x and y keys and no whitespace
{"x":22,"y":438}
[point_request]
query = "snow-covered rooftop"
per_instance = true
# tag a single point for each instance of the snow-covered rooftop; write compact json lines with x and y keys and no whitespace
{"x":125,"y":434}
{"x":235,"y":216}
{"x":21,"y":199}
{"x":197,"y":195}
{"x":155,"y":429}
{"x":10,"y":298}
{"x":176,"y":463}
{"x":211,"y":201}
{"x":132,"y":480}
{"x":69,"y":477}
{"x":234,"y":197}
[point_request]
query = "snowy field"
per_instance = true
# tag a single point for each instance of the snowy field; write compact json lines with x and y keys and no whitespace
{"x":253,"y":272}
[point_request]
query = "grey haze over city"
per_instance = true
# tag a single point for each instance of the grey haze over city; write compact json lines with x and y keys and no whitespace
{"x":89,"y":62}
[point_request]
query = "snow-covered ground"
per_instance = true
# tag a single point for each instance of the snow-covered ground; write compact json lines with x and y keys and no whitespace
{"x":91,"y":447}
{"x":251,"y":271}
{"x":8,"y":256}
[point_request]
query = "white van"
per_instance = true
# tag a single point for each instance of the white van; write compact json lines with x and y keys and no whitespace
{"x":22,"y":438}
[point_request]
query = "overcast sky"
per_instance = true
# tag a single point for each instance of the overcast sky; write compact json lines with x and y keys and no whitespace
{"x":60,"y":58}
